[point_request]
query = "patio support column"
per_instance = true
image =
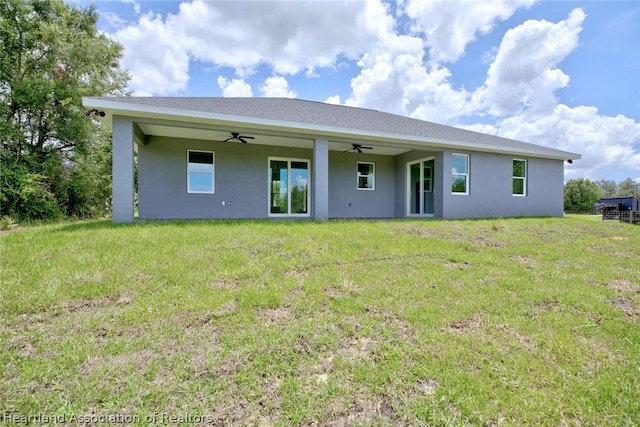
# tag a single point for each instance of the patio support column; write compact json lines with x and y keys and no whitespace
{"x":320,"y":174}
{"x":123,"y":167}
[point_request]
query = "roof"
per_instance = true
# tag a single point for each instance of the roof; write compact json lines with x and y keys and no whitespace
{"x":318,"y":117}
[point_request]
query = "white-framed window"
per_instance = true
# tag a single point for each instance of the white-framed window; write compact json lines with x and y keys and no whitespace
{"x":289,"y":187}
{"x":200,"y":172}
{"x":459,"y":173}
{"x":366,"y":175}
{"x":519,"y":177}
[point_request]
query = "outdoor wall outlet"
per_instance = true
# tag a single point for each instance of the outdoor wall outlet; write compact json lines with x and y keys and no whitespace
{"x":223,"y":203}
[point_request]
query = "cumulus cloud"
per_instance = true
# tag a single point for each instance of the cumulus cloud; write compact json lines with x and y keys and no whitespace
{"x":449,"y":26}
{"x":288,"y":36}
{"x":335,"y":99}
{"x":277,"y":86}
{"x":155,"y":63}
{"x":524,"y":74}
{"x":394,"y":77}
{"x":603,"y":141}
{"x":234,"y":88}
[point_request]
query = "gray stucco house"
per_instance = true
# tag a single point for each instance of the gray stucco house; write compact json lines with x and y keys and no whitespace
{"x":283,"y":158}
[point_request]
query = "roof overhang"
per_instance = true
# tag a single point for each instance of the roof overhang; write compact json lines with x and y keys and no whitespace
{"x":152,"y":119}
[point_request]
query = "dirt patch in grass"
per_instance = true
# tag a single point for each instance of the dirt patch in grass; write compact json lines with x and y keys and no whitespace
{"x":462,"y":265}
{"x":525,"y":341}
{"x":274,"y":315}
{"x":525,"y":260}
{"x":21,"y":345}
{"x":627,"y":305}
{"x":363,"y":412}
{"x":356,"y":349}
{"x":624,"y":286}
{"x":225,"y":283}
{"x":427,"y":387}
{"x":614,"y":251}
{"x":465,"y":325}
{"x":91,"y":304}
{"x":135,"y":361}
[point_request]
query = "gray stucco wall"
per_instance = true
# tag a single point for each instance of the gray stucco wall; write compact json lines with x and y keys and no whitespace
{"x":241,"y":174}
{"x":490,"y":188}
{"x":346,"y":201}
{"x":241,"y":181}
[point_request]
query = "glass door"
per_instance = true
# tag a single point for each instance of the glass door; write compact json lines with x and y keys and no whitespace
{"x":288,"y":187}
{"x":420,"y":187}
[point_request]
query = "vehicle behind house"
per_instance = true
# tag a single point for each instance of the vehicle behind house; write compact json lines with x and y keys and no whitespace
{"x":618,"y":207}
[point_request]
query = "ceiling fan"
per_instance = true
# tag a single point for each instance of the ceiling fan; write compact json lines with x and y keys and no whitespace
{"x":238,"y":137}
{"x":358,"y":148}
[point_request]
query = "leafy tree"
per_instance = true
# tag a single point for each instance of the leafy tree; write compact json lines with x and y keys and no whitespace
{"x":628,"y":188}
{"x":608,"y":188}
{"x":580,"y":195}
{"x":52,"y":56}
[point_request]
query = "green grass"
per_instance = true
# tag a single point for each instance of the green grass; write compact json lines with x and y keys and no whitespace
{"x":504,"y":321}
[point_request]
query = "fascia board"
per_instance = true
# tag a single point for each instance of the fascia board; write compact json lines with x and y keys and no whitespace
{"x":160,"y":112}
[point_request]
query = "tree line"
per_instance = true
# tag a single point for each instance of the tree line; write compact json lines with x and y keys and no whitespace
{"x":581,"y":195}
{"x":55,"y":160}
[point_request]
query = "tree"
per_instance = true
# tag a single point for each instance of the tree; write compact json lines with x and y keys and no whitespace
{"x":52,"y":56}
{"x":628,"y":188}
{"x":580,"y":195}
{"x":607,"y":188}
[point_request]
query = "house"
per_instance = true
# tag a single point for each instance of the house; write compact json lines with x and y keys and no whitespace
{"x":290,"y":158}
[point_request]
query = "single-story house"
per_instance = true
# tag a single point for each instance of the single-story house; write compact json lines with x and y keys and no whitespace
{"x":291,"y":158}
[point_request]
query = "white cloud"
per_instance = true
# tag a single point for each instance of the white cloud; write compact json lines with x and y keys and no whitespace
{"x":135,"y":4}
{"x":394,"y":78}
{"x":523,"y":75}
{"x":450,"y":25}
{"x":277,"y":86}
{"x":288,"y":36}
{"x":335,"y":99}
{"x":151,"y":56}
{"x":603,"y":141}
{"x":234,"y":87}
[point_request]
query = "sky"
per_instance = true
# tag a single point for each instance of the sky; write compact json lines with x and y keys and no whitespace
{"x":562,"y":74}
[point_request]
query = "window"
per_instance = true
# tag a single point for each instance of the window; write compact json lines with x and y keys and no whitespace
{"x":289,"y":193}
{"x":460,"y":173}
{"x":366,"y":176}
{"x":200,"y":172}
{"x":519,"y":177}
{"x":420,"y":197}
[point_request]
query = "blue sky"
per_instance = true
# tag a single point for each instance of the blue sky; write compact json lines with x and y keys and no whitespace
{"x":564,"y":74}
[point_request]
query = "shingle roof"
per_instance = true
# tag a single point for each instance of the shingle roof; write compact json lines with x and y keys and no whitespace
{"x":334,"y":116}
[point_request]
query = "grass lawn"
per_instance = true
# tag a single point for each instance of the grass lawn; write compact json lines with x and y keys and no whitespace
{"x":488,"y":322}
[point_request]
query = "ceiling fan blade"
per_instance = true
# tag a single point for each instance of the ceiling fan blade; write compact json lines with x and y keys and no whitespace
{"x":247,"y":137}
{"x":359,"y":150}
{"x":242,"y":139}
{"x":367,"y":148}
{"x":228,"y":139}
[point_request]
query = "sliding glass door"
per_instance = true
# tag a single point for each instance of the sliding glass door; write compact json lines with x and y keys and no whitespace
{"x":420,"y":187}
{"x":289,"y":193}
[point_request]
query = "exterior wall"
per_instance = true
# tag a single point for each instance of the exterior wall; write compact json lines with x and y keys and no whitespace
{"x":240,"y":171}
{"x":401,"y":189}
{"x":346,"y":201}
{"x":490,"y":188}
{"x":123,"y":168}
{"x":241,"y":181}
